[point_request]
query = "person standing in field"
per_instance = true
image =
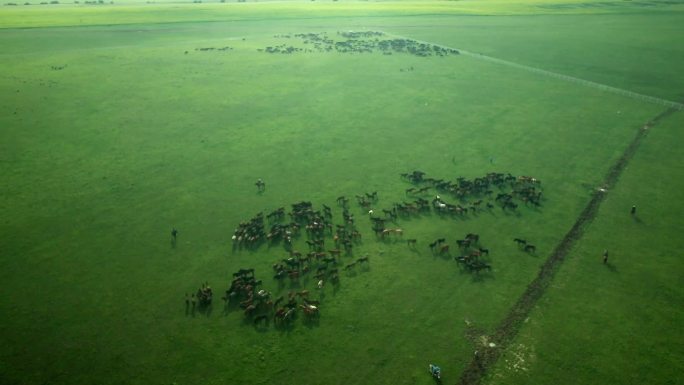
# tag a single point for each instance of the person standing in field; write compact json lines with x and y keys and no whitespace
{"x":633,"y":210}
{"x":174,"y":234}
{"x":605,"y":256}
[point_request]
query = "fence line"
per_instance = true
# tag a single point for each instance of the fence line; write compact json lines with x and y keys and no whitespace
{"x":588,"y":83}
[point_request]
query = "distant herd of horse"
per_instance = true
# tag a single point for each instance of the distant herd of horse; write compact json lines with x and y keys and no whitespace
{"x":328,"y":244}
{"x":358,"y":43}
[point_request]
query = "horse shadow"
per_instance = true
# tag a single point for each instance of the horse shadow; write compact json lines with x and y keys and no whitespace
{"x":612,"y":267}
{"x":480,"y":276}
{"x":351,"y":273}
{"x":312,"y":322}
{"x":229,"y":306}
{"x":414,"y":249}
{"x":443,"y":256}
{"x":262,"y":326}
{"x":285,"y":327}
{"x":205,"y":310}
{"x":514,"y":213}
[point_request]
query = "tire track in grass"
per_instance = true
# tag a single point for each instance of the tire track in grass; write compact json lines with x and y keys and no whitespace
{"x":572,"y":79}
{"x":508,"y":328}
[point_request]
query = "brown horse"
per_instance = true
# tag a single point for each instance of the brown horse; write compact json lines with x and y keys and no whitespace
{"x":310,"y":310}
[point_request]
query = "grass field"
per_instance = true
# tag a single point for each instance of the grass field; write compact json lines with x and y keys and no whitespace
{"x":116,"y":129}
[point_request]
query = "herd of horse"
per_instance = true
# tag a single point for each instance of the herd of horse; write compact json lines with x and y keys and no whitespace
{"x":358,"y":43}
{"x":329,"y":243}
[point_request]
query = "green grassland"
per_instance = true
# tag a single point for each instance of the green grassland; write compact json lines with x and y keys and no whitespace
{"x":141,"y":132}
{"x":618,"y":322}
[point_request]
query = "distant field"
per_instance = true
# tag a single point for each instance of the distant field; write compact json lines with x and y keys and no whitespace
{"x":116,"y":131}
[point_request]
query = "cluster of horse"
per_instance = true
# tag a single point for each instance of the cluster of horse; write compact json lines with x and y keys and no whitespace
{"x":283,"y":49}
{"x":471,"y":254}
{"x":202,"y":297}
{"x":260,"y":307}
{"x":360,"y":42}
{"x":206,"y":49}
{"x":524,"y":245}
{"x":328,"y":243}
{"x":508,"y":187}
{"x":321,"y":262}
{"x":249,"y":233}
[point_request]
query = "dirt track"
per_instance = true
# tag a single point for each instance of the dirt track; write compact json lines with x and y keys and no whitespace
{"x":508,"y":328}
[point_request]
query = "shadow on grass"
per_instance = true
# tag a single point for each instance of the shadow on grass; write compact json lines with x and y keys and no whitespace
{"x":336,"y":288}
{"x":229,"y":306}
{"x":476,"y":276}
{"x":611,"y":267}
{"x":311,"y":322}
{"x":443,"y":256}
{"x":261,"y":326}
{"x":481,"y":276}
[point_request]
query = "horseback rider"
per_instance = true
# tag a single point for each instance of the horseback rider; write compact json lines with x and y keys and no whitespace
{"x":436,"y":371}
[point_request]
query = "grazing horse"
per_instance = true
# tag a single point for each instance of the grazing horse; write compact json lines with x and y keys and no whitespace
{"x":261,"y":185}
{"x":444,"y":249}
{"x":244,"y":272}
{"x":479,"y":265}
{"x":411,"y":242}
{"x":473,"y":238}
{"x":249,"y":310}
{"x":280,"y":274}
{"x":309,"y":310}
{"x":342,"y":201}
{"x":278,"y":301}
{"x":260,"y":318}
{"x":463,"y":243}
{"x":484,"y":251}
{"x":520,"y":242}
{"x":530,"y":248}
{"x":279,"y":314}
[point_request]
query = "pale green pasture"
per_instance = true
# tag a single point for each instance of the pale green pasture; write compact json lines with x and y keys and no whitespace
{"x":101,"y":159}
{"x":618,"y":323}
